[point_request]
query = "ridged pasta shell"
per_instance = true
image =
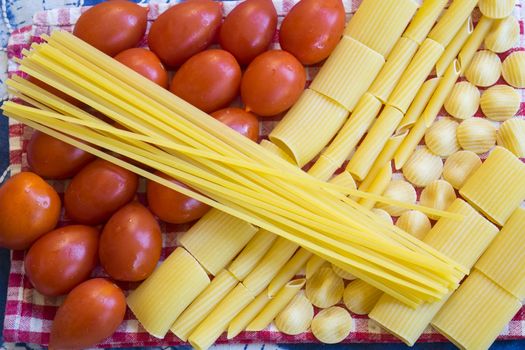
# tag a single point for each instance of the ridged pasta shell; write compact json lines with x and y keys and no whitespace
{"x":496,"y":8}
{"x":504,"y":35}
{"x":500,"y":102}
{"x":360,"y":297}
{"x":423,"y":167}
{"x":459,"y":166}
{"x":439,"y":195}
{"x":383,"y":215}
{"x":332,"y":325}
{"x":484,"y":69}
{"x":463,"y":100}
{"x":441,"y":137}
{"x":399,"y":190}
{"x":313,"y":265}
{"x":511,"y":135}
{"x":325,"y":288}
{"x":513,"y":69}
{"x":414,"y":222}
{"x":477,"y":135}
{"x":296,"y":317}
{"x":343,"y":273}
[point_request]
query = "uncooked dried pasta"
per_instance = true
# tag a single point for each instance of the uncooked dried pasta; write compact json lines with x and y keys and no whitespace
{"x":504,"y":35}
{"x":378,"y":184}
{"x":313,"y":265}
{"x":343,"y":273}
{"x":500,"y":102}
{"x":474,"y":41}
{"x":424,"y":20}
{"x":289,"y":270}
{"x":325,"y":288}
{"x":513,"y":69}
{"x":438,"y":194}
{"x":360,"y":297}
{"x":296,"y":317}
{"x":451,"y":21}
{"x":243,"y":318}
{"x":251,"y":254}
{"x":414,"y":222}
{"x":477,"y":135}
{"x":400,"y":190}
{"x":452,"y":49}
{"x":332,"y":325}
{"x":382,"y":214}
{"x":463,"y":101}
{"x":485,"y":68}
{"x":511,"y":135}
{"x":459,"y":166}
{"x":441,"y":138}
{"x":422,"y":167}
{"x":506,"y":175}
{"x":496,"y":9}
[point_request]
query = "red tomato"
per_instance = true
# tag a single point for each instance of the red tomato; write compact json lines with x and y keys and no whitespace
{"x":209,"y":80}
{"x":146,"y":63}
{"x":248,"y":30}
{"x":61,"y":259}
{"x":54,"y":159}
{"x":272,"y":83}
{"x":239,"y":120}
{"x":184,"y":30}
{"x":91,"y":312}
{"x":312,"y":29}
{"x":172,"y":206}
{"x":56,"y":92}
{"x":97,"y":191}
{"x":112,"y":26}
{"x":29,"y":207}
{"x":130,"y":244}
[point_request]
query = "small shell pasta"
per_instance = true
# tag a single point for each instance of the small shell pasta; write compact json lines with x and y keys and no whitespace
{"x":511,"y":135}
{"x":383,"y":215}
{"x":332,"y":325}
{"x":343,"y":273}
{"x":500,"y":102}
{"x":414,"y":222}
{"x":399,"y":190}
{"x":496,"y":8}
{"x":477,"y":135}
{"x":504,"y":35}
{"x":463,"y":100}
{"x":439,"y":195}
{"x":423,"y":167}
{"x":459,"y":166}
{"x":441,"y":137}
{"x":296,"y":317}
{"x":484,"y":69}
{"x":325,"y":288}
{"x":513,"y":69}
{"x":360,"y":297}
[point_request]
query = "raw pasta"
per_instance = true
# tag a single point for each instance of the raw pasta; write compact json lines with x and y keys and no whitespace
{"x":441,"y":137}
{"x":513,"y":69}
{"x":500,"y":102}
{"x":452,"y":49}
{"x":360,"y":297}
{"x":377,"y":185}
{"x":511,"y":135}
{"x":476,"y":135}
{"x":504,"y":35}
{"x":414,"y":222}
{"x":325,"y":288}
{"x":243,"y":318}
{"x":332,"y":325}
{"x":451,"y":21}
{"x":401,"y":191}
{"x":463,"y":101}
{"x":485,"y":68}
{"x":424,"y":20}
{"x":251,"y":254}
{"x":438,"y":194}
{"x":313,"y":265}
{"x":296,"y":317}
{"x":289,"y":270}
{"x":496,"y":9}
{"x":459,"y":166}
{"x":423,"y":167}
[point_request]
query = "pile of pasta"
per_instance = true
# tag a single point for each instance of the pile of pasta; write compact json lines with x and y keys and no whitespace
{"x":402,"y":63}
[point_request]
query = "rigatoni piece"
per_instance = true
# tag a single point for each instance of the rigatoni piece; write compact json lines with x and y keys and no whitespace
{"x":504,"y":35}
{"x":424,"y":20}
{"x":476,"y":135}
{"x":251,"y":254}
{"x":243,"y":318}
{"x":314,"y":112}
{"x":216,"y":239}
{"x":325,"y":288}
{"x":351,"y":64}
{"x":449,"y":24}
{"x":399,"y":190}
{"x":332,"y":325}
{"x":506,"y":175}
{"x":485,"y":68}
{"x":511,"y":135}
{"x":513,"y":69}
{"x":414,"y":222}
{"x":500,"y":102}
{"x":476,"y":313}
{"x":463,"y":101}
{"x":296,"y":317}
{"x":372,"y":24}
{"x":501,"y":262}
{"x":423,"y":167}
{"x":441,"y":138}
{"x":459,"y":166}
{"x":360,"y":297}
{"x":496,"y":9}
{"x":288,"y":271}
{"x":439,"y":194}
{"x":164,"y":295}
{"x":452,"y":49}
{"x":219,"y":287}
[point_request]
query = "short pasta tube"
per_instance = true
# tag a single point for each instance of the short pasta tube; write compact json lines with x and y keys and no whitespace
{"x":451,"y":21}
{"x":424,"y":20}
{"x":452,"y":49}
{"x":289,"y":270}
{"x":243,"y":318}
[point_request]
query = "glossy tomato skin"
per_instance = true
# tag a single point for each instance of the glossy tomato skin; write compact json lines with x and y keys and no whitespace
{"x":239,"y":120}
{"x":130,"y":244}
{"x":209,"y":80}
{"x":171,"y":206}
{"x":61,"y":259}
{"x":112,"y":26}
{"x":97,"y":191}
{"x":52,"y":158}
{"x":91,"y":312}
{"x":184,"y":30}
{"x":248,"y":30}
{"x":29,"y":208}
{"x":146,"y":63}
{"x":312,"y":29}
{"x":272,"y":83}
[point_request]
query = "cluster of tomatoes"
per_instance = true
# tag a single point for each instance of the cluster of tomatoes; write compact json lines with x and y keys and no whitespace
{"x":109,"y":225}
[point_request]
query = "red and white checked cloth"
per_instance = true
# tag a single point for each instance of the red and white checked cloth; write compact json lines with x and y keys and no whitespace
{"x":29,"y":315}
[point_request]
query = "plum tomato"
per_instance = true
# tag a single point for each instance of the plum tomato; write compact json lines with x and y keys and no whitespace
{"x":184,"y":30}
{"x":171,"y":206}
{"x":243,"y":122}
{"x":209,"y":80}
{"x":91,"y":312}
{"x":312,"y":29}
{"x":52,"y":158}
{"x":146,"y":63}
{"x":29,"y":208}
{"x":99,"y":190}
{"x":248,"y":30}
{"x":272,"y":83}
{"x":130,"y":244}
{"x":61,"y":259}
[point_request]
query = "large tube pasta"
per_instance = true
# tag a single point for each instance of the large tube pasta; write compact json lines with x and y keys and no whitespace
{"x":379,"y":25}
{"x":219,"y":287}
{"x":506,"y":175}
{"x":424,"y":20}
{"x":476,"y":313}
{"x":164,"y":295}
{"x":350,"y":64}
{"x":452,"y":49}
{"x":449,"y":24}
{"x":216,"y":239}
{"x":319,"y":117}
{"x":289,"y":270}
{"x":239,"y":323}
